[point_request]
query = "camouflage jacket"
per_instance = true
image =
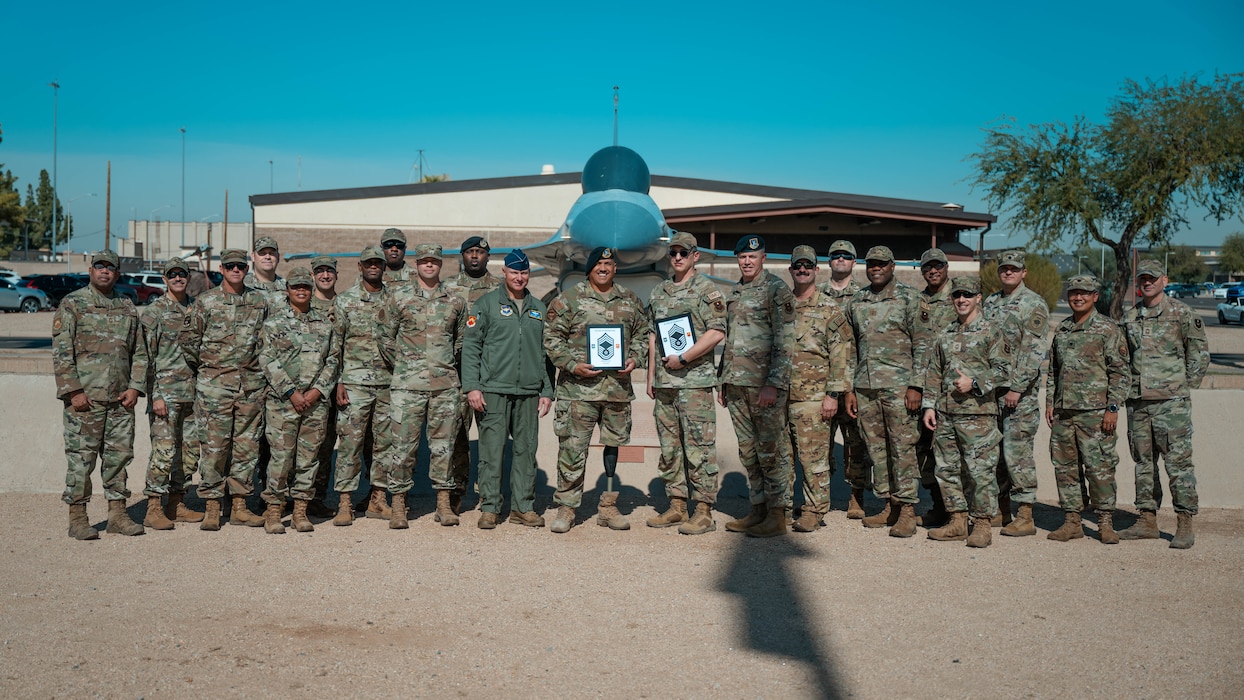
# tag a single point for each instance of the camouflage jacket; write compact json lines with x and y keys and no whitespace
{"x":890,"y":340}
{"x":399,"y":278}
{"x":360,"y":320}
{"x":297,"y":352}
{"x":472,"y":288}
{"x":1169,"y":351}
{"x":426,"y":338}
{"x":823,"y":349}
{"x":841,"y":296}
{"x":220,"y":339}
{"x":324,"y":306}
{"x":97,"y":346}
{"x":565,"y":340}
{"x":760,"y":316}
{"x":1089,"y":365}
{"x":273,"y":292}
{"x":1030,"y":324}
{"x":701,"y":299}
{"x":936,"y":313}
{"x":168,"y":376}
{"x":978,"y":350}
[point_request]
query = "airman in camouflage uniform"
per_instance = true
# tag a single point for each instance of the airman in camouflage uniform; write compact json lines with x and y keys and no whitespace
{"x":170,"y":409}
{"x":755,"y":380}
{"x":1169,"y":358}
{"x":587,"y":397}
{"x":890,"y":345}
{"x":681,"y":381}
{"x":1089,"y":375}
{"x":361,"y":319}
{"x":262,"y":275}
{"x":220,"y":340}
{"x":856,"y":467}
{"x":100,"y":365}
{"x":324,"y":270}
{"x":397,"y":273}
{"x":300,"y":363}
{"x":1025,"y":318}
{"x":822,"y":355}
{"x":936,"y":314}
{"x":427,"y":349}
{"x":969,"y":364}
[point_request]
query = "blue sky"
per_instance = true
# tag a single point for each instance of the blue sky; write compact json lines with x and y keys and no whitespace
{"x":882,"y":99}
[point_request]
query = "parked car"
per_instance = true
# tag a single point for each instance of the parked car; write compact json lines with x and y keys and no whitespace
{"x":1231,"y":311}
{"x":151,"y":278}
{"x":1180,"y":291}
{"x":126,"y":290}
{"x":11,"y":276}
{"x":25,"y":299}
{"x":145,"y":292}
{"x":1235,"y":292}
{"x":56,"y":286}
{"x":1221,"y":292}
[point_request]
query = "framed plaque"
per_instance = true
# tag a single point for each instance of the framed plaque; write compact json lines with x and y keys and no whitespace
{"x":605,"y":347}
{"x":676,"y":333}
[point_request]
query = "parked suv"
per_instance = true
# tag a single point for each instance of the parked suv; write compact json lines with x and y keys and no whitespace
{"x":56,"y":286}
{"x":146,"y":293}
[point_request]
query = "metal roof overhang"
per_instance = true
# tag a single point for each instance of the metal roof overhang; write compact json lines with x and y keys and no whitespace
{"x":958,"y":220}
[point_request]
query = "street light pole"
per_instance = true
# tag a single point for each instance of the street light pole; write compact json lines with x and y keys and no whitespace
{"x":55,"y":85}
{"x":183,"y":186}
{"x":270,"y":178}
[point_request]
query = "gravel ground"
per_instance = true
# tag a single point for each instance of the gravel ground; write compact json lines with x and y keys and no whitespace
{"x":844,"y":612}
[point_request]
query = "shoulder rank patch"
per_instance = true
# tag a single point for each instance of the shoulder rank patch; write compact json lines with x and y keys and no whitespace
{"x":1034,"y":324}
{"x":56,"y":324}
{"x":790,"y":308}
{"x":471,"y":321}
{"x":534,"y":314}
{"x":1197,"y":321}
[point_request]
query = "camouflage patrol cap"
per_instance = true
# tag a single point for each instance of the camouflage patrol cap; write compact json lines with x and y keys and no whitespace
{"x":684,"y":240}
{"x":371,"y":252}
{"x":392,"y":234}
{"x":1085,"y":283}
{"x":105,"y":256}
{"x":803,"y":252}
{"x":175,"y":264}
{"x":933,"y":255}
{"x":841,"y":246}
{"x":880,"y":252}
{"x":1153,"y":268}
{"x":299,"y":276}
{"x":971,"y":285}
{"x":324,"y":261}
{"x":428,"y":250}
{"x":233,"y":255}
{"x":1014,"y":258}
{"x":749,"y":244}
{"x":266,"y":242}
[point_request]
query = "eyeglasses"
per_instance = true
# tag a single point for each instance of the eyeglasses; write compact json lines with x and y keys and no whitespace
{"x":841,"y":256}
{"x":322,"y":270}
{"x":233,"y":267}
{"x":176,"y":275}
{"x":680,"y":253}
{"x":104,"y":266}
{"x":961,"y":295}
{"x":935,"y":265}
{"x":394,"y":244}
{"x":802,"y":265}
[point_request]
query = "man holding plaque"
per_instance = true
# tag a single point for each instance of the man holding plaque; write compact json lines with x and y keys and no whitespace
{"x":688,"y":321}
{"x":596,"y":335}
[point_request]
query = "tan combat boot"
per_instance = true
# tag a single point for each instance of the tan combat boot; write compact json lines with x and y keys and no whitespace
{"x":982,"y":535}
{"x":119,"y":522}
{"x":300,"y":521}
{"x":773,"y":525}
{"x":905,"y":526}
{"x":445,"y":514}
{"x":956,"y":529}
{"x":487,"y":521}
{"x":564,"y":520}
{"x":345,"y":511}
{"x":177,"y":511}
{"x":377,"y":506}
{"x":1184,"y":536}
{"x":677,"y":513}
{"x":701,"y":522}
{"x":887,"y":517}
{"x":1105,"y":527}
{"x":80,"y":525}
{"x":239,"y":514}
{"x":527,"y":519}
{"x":752,"y":519}
{"x":1146,"y":528}
{"x":855,"y":508}
{"x":607,"y":513}
{"x":1070,"y":530}
{"x":156,"y":519}
{"x":1022,"y":525}
{"x":808,"y":522}
{"x":272,"y":519}
{"x":397,"y":514}
{"x":211,"y":517}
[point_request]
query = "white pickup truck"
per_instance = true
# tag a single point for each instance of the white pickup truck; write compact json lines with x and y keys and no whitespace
{"x":1231,"y":311}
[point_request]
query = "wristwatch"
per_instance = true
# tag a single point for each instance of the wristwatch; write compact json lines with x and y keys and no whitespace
{"x":976,"y":389}
{"x":1112,"y":408}
{"x":833,"y":394}
{"x":682,"y":360}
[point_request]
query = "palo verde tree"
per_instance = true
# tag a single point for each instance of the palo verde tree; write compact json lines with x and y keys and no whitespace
{"x":1163,"y":150}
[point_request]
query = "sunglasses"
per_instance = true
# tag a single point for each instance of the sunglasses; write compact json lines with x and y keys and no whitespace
{"x":961,"y":295}
{"x":841,"y":256}
{"x":394,"y":244}
{"x":104,"y":266}
{"x":935,"y":265}
{"x":176,"y":275}
{"x":233,"y":267}
{"x":802,"y":265}
{"x":681,"y":253}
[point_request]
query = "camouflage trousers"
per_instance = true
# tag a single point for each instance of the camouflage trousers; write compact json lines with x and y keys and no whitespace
{"x":410,"y":411}
{"x":230,"y":425}
{"x":890,"y":431}
{"x":813,"y":442}
{"x":366,"y":416}
{"x":105,"y":432}
{"x":967,"y":460}
{"x":1078,"y":444}
{"x":573,"y":422}
{"x":295,"y":439}
{"x":764,"y":444}
{"x":686,"y":422}
{"x":174,"y":450}
{"x":856,"y":467}
{"x":516,"y":416}
{"x":1162,"y":428}
{"x":1017,"y":468}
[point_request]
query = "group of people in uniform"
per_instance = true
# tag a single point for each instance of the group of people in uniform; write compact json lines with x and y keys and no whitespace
{"x":934,"y":388}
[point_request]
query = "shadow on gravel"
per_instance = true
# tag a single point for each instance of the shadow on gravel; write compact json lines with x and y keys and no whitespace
{"x":776,"y":620}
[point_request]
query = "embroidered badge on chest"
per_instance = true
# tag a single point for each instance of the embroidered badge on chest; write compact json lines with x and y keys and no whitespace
{"x":507,"y":310}
{"x":534,"y":314}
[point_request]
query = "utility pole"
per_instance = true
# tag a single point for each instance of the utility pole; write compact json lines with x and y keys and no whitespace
{"x":108,"y":211}
{"x":55,"y":85}
{"x":183,"y":186}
